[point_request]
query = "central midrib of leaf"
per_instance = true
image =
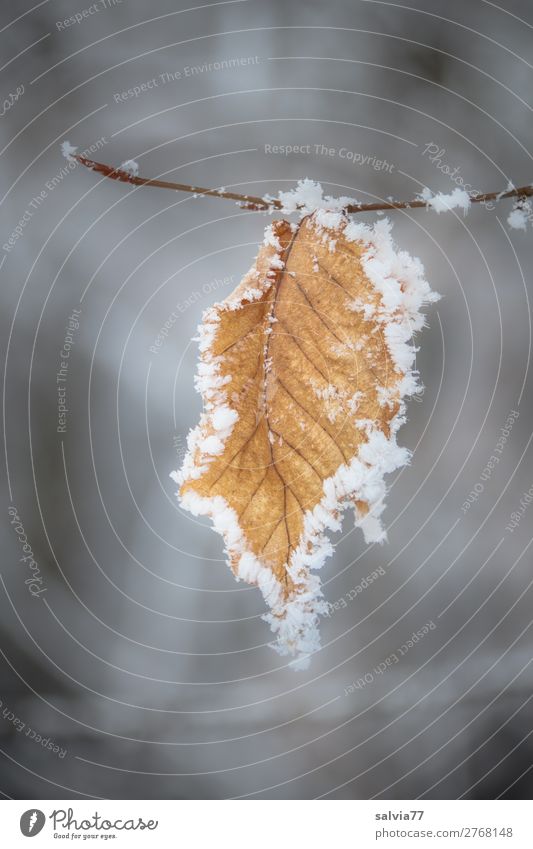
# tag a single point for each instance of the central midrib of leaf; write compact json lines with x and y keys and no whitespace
{"x":280,"y":279}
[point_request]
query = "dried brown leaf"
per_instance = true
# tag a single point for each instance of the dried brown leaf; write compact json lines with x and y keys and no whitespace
{"x":303,"y":370}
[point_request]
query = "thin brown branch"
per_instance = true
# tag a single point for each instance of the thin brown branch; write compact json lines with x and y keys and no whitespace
{"x":259,"y":204}
{"x":248,"y":201}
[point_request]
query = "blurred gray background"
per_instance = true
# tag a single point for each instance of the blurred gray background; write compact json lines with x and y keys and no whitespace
{"x":143,"y":663}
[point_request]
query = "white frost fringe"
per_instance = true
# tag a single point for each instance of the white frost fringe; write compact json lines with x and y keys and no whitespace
{"x":399,"y":280}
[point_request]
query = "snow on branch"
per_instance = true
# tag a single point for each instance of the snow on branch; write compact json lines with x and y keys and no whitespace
{"x":308,"y":195}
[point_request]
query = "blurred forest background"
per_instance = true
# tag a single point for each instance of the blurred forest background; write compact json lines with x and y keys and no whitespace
{"x":143,"y":662}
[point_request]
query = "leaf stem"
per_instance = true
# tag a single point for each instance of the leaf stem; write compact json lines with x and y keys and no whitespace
{"x":259,"y":204}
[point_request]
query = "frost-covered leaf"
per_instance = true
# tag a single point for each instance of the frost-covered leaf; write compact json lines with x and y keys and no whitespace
{"x":303,"y":372}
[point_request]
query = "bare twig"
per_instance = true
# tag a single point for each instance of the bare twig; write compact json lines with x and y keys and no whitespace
{"x":259,"y":204}
{"x":248,"y":201}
